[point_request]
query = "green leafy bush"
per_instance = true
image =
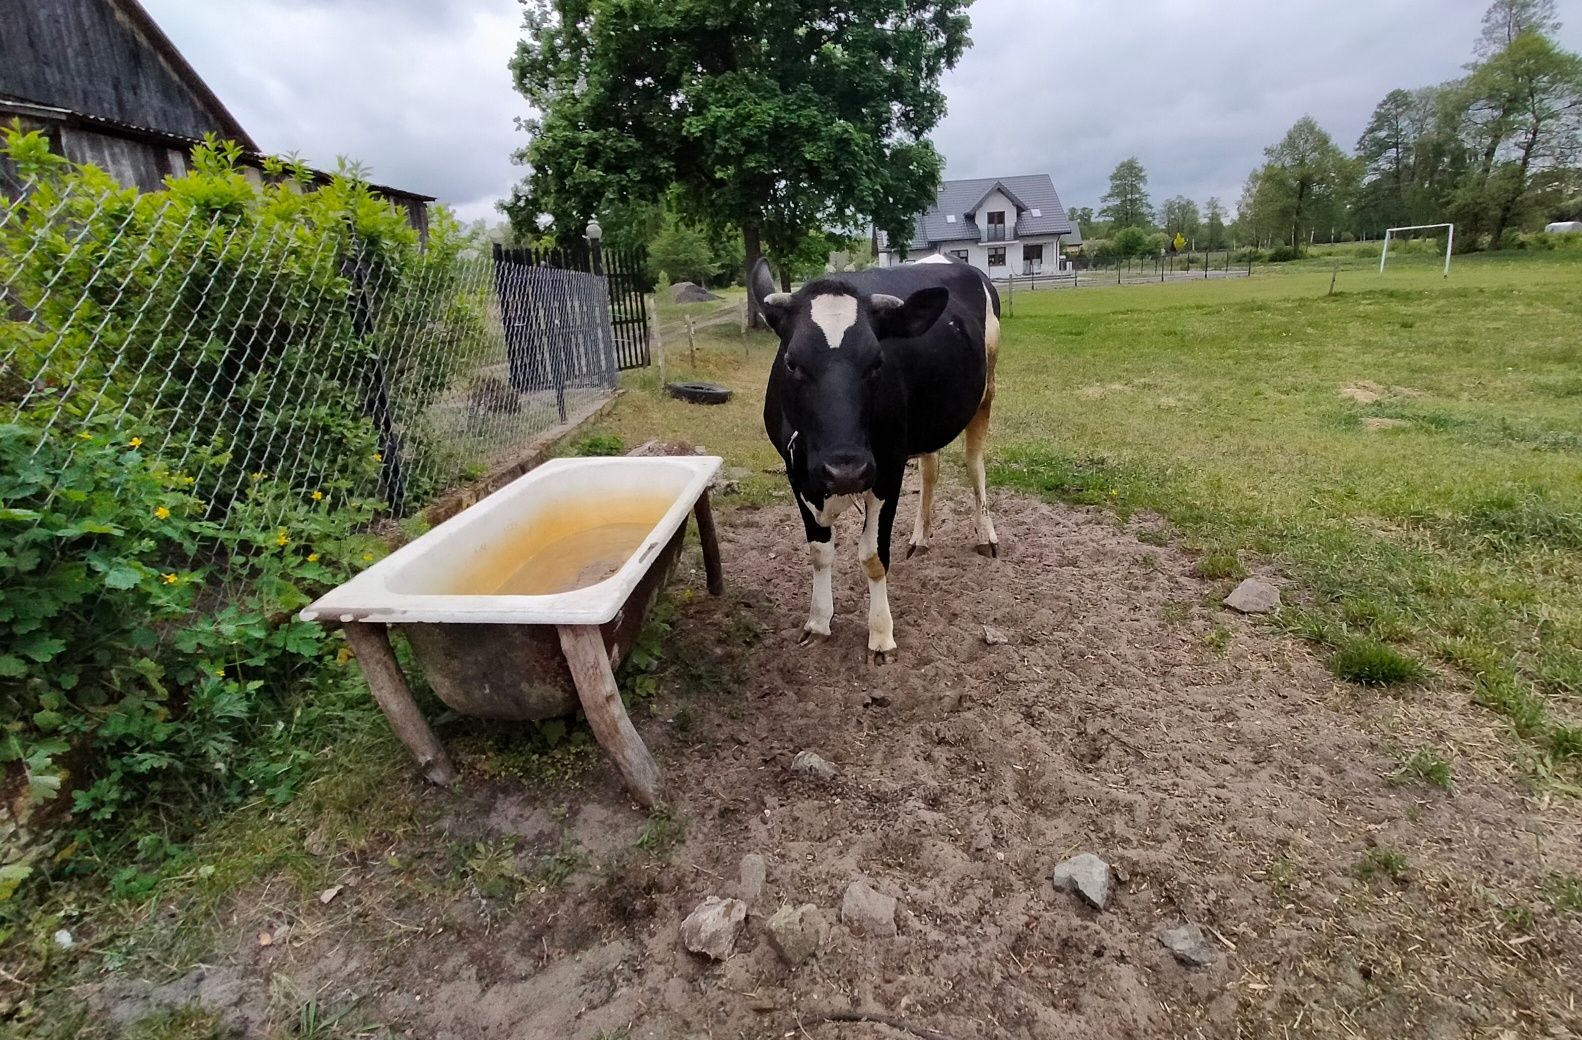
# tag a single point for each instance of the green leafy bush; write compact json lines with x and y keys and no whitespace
{"x":174,"y":489}
{"x":1284,"y":254}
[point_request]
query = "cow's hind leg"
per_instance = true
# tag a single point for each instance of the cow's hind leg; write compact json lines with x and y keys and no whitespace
{"x":923,"y":526}
{"x":821,"y":554}
{"x":977,"y":444}
{"x":873,"y":551}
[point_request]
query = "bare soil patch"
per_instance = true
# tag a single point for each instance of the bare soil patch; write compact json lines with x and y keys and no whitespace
{"x":1227,"y":777}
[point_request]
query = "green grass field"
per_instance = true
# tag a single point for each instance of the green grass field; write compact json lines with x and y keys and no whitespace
{"x":1407,"y":451}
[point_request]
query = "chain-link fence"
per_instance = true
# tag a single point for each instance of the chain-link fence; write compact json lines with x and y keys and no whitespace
{"x":233,"y":348}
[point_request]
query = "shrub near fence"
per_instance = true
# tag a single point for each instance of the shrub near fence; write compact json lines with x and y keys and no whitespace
{"x":206,"y":395}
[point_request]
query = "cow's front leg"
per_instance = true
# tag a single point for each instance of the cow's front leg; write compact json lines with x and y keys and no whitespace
{"x":821,"y":554}
{"x":923,"y":526}
{"x":977,"y":444}
{"x":873,"y":550}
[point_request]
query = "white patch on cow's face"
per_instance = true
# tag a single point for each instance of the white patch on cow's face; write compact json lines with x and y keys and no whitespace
{"x":834,"y":313}
{"x":833,"y":507}
{"x":936,"y":259}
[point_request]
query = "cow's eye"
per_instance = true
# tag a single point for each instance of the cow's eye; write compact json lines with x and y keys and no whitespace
{"x":873,"y":369}
{"x":793,"y":368}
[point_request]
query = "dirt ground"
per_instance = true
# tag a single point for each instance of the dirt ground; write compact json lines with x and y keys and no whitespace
{"x":1211,"y":759}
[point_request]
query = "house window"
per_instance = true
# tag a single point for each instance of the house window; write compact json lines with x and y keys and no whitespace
{"x":1033,"y":259}
{"x":959,"y":254}
{"x":997,"y":257}
{"x":996,"y":227}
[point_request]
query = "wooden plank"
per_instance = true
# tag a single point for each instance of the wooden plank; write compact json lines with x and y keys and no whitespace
{"x":711,"y":544}
{"x":371,"y":644}
{"x":583,"y":646}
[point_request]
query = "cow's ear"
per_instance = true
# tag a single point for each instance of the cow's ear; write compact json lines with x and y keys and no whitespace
{"x":771,"y":304}
{"x":909,"y":318}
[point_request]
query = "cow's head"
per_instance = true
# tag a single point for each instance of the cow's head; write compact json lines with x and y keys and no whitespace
{"x":831,"y":368}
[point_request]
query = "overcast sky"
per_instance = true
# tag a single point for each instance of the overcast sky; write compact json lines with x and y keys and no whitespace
{"x":418,"y":89}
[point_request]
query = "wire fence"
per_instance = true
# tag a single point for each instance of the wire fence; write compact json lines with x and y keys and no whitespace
{"x":1090,"y":271}
{"x":232,"y":349}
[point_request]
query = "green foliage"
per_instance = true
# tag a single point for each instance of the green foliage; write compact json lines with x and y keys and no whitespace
{"x":152,"y":667}
{"x":1125,"y":205}
{"x":1369,"y":662}
{"x":1219,"y":565}
{"x":1426,"y":766}
{"x":1380,"y":862}
{"x":111,"y":664}
{"x":598,"y":444}
{"x":781,"y":118}
{"x":1283,"y":254}
{"x":1304,"y":185}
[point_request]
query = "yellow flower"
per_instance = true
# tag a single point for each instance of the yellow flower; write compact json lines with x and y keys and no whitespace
{"x":162,"y":513}
{"x":256,"y":477}
{"x":282,"y":538}
{"x":313,"y":557}
{"x":84,"y":435}
{"x":169,"y":579}
{"x":136,"y":442}
{"x":367,"y":557}
{"x":318,"y":496}
{"x":378,"y":457}
{"x":343,"y":655}
{"x":220,"y":672}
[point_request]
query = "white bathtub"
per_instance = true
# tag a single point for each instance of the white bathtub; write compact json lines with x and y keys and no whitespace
{"x":440,"y":577}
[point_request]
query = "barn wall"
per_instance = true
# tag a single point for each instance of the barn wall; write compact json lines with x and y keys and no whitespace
{"x":135,"y":164}
{"x":87,"y":56}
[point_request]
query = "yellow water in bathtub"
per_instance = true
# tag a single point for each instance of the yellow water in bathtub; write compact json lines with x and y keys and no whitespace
{"x":569,"y":545}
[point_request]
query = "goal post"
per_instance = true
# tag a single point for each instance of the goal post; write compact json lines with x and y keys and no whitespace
{"x":1389,"y":233}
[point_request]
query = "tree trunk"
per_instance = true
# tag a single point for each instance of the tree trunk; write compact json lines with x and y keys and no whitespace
{"x":1515,"y":194}
{"x":785,"y":279}
{"x":753,"y":249}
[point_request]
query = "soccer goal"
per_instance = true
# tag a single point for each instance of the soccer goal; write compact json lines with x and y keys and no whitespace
{"x":1390,"y":233}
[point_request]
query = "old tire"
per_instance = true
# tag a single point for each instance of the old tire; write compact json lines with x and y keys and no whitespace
{"x":699,"y":393}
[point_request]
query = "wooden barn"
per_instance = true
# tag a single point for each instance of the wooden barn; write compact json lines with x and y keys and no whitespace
{"x":108,"y":87}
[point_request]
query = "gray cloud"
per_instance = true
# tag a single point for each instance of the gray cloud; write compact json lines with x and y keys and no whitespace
{"x":419,"y":92}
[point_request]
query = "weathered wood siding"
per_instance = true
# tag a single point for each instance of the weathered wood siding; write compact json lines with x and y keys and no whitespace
{"x":89,"y":56}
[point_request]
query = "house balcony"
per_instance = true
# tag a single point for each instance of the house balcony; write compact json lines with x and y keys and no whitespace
{"x":994,"y":233}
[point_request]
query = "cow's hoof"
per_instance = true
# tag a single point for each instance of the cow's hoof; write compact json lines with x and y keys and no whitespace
{"x":880,"y":658}
{"x":990,"y":550}
{"x":916,"y":550}
{"x":812,"y":635}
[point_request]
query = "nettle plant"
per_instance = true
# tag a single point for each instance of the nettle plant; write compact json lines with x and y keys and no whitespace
{"x":150,"y":659}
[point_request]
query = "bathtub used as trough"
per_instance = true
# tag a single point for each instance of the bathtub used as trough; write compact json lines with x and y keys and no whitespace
{"x":521,"y":606}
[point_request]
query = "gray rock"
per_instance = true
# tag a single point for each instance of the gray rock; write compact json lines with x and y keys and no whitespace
{"x":797,"y":932}
{"x":1188,"y":945}
{"x":994,"y":637}
{"x":868,"y":912}
{"x":1254,"y":597}
{"x":750,"y":877}
{"x":688,"y":292}
{"x":810,"y":765}
{"x":711,"y":928}
{"x":1088,"y":876}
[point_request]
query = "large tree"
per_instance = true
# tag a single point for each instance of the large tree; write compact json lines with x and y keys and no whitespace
{"x":1524,"y":112}
{"x":1214,"y":224}
{"x":1126,"y":203}
{"x":779,"y":118}
{"x":1181,"y":217}
{"x":1305,"y":184}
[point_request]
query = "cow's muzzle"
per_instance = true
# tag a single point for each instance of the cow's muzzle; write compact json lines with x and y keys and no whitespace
{"x":848,"y":474}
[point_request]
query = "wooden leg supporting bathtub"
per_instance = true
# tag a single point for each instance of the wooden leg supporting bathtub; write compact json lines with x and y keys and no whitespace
{"x":711,"y":544}
{"x":583,"y":646}
{"x":371,"y":644}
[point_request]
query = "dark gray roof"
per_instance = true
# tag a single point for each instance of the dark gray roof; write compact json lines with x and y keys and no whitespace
{"x":959,"y":199}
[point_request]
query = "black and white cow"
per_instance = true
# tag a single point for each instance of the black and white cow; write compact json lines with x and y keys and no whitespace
{"x":876,"y":367}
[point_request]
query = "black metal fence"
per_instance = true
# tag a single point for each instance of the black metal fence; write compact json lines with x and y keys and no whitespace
{"x":625,"y":273}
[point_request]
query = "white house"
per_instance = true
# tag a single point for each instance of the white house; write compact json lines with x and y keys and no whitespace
{"x":1001,"y":225}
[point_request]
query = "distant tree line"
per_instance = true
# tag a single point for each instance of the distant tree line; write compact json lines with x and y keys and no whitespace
{"x":1495,"y":151}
